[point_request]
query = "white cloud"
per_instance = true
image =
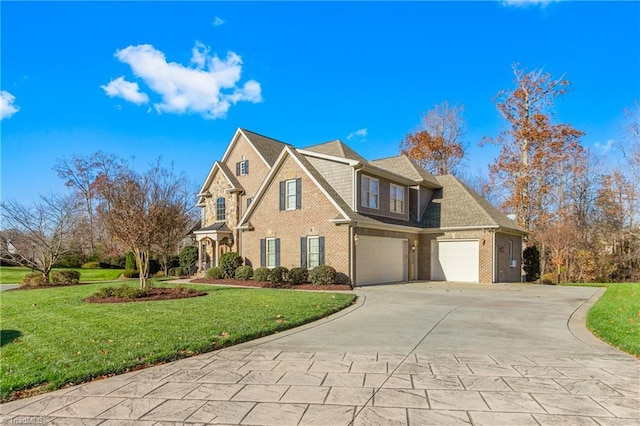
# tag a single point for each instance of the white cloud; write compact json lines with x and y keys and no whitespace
{"x":7,"y":106}
{"x":604,"y":148}
{"x":361,"y":133}
{"x":526,"y":3}
{"x":217,"y":21}
{"x":196,"y":89}
{"x":127,"y":90}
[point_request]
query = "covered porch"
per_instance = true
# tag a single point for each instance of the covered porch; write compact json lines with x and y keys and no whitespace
{"x":212,"y":241}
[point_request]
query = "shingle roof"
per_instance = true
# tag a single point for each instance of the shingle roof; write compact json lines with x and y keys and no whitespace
{"x":269,"y":148}
{"x":229,"y":175}
{"x":404,"y":166}
{"x":218,"y":226}
{"x":338,"y":149}
{"x":457,"y":205}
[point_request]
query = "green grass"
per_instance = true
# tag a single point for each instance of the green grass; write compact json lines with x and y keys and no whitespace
{"x":14,"y":274}
{"x":50,"y":337}
{"x":585,"y":284}
{"x":615,"y":318}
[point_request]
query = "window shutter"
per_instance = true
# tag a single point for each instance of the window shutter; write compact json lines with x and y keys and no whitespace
{"x":246,"y":166}
{"x":303,"y":252}
{"x":238,"y":169}
{"x":277,"y":252}
{"x":283,"y":193}
{"x":321,"y":250}
{"x":263,"y":253}
{"x":298,"y":193}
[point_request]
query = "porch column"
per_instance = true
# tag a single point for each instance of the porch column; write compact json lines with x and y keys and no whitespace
{"x":215,"y":251}
{"x":200,"y":248}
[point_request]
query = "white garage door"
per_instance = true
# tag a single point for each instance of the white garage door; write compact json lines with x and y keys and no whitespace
{"x":455,"y":261}
{"x":381,"y":260}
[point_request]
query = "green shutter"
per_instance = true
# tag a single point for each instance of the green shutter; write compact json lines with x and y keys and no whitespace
{"x":263,"y":253}
{"x":321,"y":250}
{"x":283,"y":193}
{"x":303,"y":252}
{"x":277,"y":252}
{"x":298,"y":193}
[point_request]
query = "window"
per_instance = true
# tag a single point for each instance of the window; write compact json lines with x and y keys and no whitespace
{"x":291,"y":194}
{"x":270,"y":252}
{"x":396,"y":195}
{"x":369,"y":192}
{"x":311,"y":252}
{"x":220,"y":210}
{"x":242,"y":168}
{"x":249,"y":200}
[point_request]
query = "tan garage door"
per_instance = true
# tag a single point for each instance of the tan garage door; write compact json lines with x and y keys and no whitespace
{"x":457,"y":261}
{"x":381,"y":260}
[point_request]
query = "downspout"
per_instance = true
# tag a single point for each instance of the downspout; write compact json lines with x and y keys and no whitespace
{"x":352,"y":269}
{"x":495,"y":258}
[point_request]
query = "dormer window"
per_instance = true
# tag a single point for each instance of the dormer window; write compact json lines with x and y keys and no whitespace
{"x":369,"y":191}
{"x":242,"y":168}
{"x":220,"y":208}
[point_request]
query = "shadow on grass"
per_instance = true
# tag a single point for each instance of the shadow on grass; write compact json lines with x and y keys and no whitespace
{"x":8,"y":336}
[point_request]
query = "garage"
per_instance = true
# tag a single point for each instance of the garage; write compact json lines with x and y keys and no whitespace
{"x":381,"y":260}
{"x":457,"y":261}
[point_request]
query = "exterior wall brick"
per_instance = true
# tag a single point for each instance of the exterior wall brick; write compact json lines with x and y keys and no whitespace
{"x":290,"y":225}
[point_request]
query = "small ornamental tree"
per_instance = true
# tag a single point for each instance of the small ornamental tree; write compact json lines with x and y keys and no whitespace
{"x":188,"y":257}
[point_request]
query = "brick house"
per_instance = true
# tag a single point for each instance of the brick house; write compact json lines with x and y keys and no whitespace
{"x":378,"y":221}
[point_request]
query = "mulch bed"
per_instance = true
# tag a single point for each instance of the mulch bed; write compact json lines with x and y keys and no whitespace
{"x":155,"y":294}
{"x":267,"y":284}
{"x":39,"y":286}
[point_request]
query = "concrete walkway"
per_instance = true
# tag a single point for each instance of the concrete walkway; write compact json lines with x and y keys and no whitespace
{"x":418,"y":354}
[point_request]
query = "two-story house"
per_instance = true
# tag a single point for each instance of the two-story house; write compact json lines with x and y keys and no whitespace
{"x":375,"y":221}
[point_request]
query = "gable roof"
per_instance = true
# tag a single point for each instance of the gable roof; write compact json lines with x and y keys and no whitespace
{"x":336,"y":148}
{"x":235,"y":185}
{"x":458,"y":206}
{"x":268,"y":148}
{"x":313,"y":174}
{"x":404,"y":166}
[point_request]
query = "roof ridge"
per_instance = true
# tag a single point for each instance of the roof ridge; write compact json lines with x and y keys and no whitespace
{"x":263,"y":136}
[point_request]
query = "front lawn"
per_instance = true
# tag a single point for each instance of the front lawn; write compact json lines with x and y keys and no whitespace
{"x":14,"y":274}
{"x":615,"y":318}
{"x":50,"y":337}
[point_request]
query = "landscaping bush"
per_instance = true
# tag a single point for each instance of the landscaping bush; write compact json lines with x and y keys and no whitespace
{"x":130,"y":262}
{"x":244,"y":273}
{"x":214,"y":273}
{"x":261,"y":274}
{"x":122,"y":292}
{"x":34,"y":279}
{"x":130,"y":273}
{"x":298,"y":276}
{"x":65,"y":277}
{"x":90,"y":265}
{"x":531,"y":263}
{"x":549,"y":279}
{"x":278,"y":275}
{"x":159,"y":274}
{"x":188,"y":257}
{"x":229,"y":262}
{"x":322,"y":275}
{"x":176,"y":271}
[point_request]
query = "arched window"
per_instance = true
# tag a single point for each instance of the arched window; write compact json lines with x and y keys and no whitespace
{"x":220,"y":209}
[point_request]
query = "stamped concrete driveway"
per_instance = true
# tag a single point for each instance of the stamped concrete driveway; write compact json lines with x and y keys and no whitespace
{"x":419,"y":354}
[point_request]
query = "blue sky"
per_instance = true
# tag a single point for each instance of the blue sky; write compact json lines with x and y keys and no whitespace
{"x":143,"y":80}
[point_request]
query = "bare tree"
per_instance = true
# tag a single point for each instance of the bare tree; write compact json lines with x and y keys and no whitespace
{"x":438,"y":146}
{"x":80,"y":174}
{"x":138,"y":209}
{"x":37,"y":236}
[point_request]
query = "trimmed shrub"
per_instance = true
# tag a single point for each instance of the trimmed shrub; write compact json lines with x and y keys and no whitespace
{"x":33,"y":279}
{"x":130,"y":262}
{"x":188,"y":257}
{"x":322,"y":275}
{"x":159,"y":274}
{"x":549,"y":279}
{"x":91,"y":265}
{"x":298,"y":276}
{"x":176,"y":271}
{"x":122,"y":292}
{"x":244,"y":273}
{"x":214,"y":273}
{"x":261,"y":274}
{"x":531,"y":263}
{"x":229,"y":262}
{"x":278,"y":275}
{"x":66,"y":277}
{"x":130,"y":273}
